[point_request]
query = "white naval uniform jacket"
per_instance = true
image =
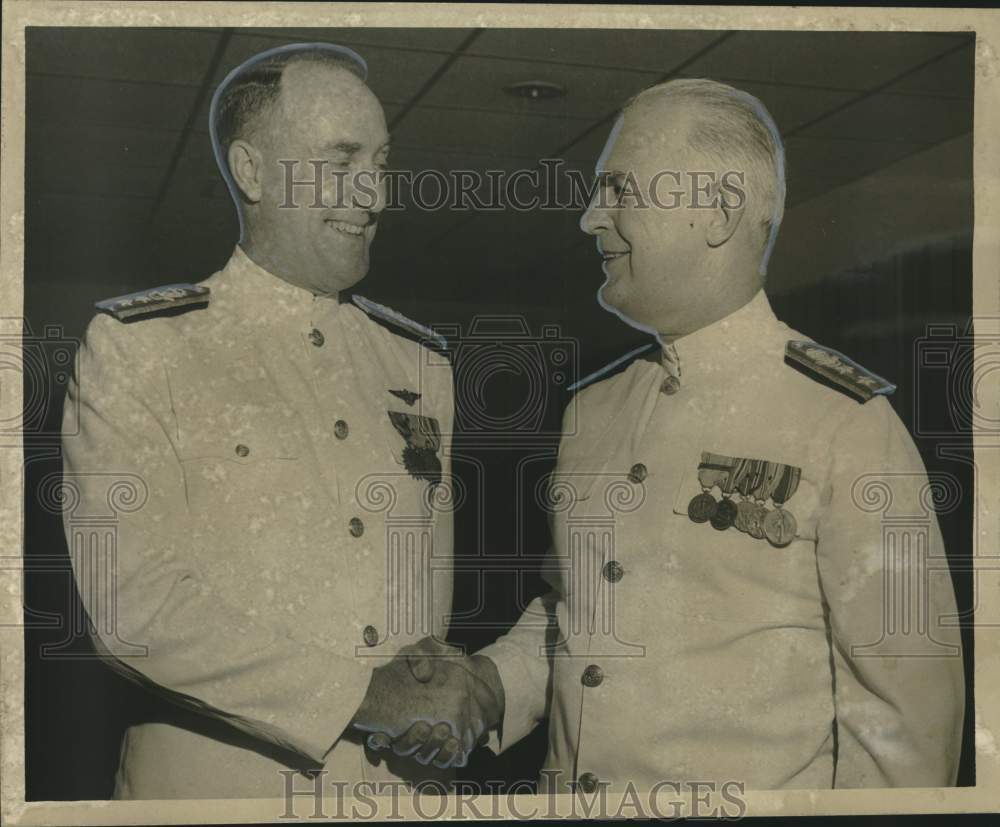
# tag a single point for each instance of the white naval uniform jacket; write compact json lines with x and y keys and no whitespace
{"x":268,"y":544}
{"x":685,"y":653}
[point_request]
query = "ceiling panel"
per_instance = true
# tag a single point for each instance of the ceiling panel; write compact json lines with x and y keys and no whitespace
{"x":793,"y":106}
{"x":392,"y":75}
{"x":484,"y":132}
{"x":478,"y":83}
{"x":441,"y":40}
{"x":808,"y":157}
{"x":819,"y":58}
{"x":953,"y":75}
{"x":898,"y":118}
{"x":65,"y":174}
{"x":589,"y":148}
{"x":152,"y":55}
{"x":198,"y":178}
{"x":802,"y":188}
{"x":96,"y":143}
{"x":86,"y":210}
{"x":658,"y":51}
{"x":70,"y":101}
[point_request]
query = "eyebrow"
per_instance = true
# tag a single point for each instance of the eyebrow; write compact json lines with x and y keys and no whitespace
{"x":351,"y":147}
{"x":347,"y":147}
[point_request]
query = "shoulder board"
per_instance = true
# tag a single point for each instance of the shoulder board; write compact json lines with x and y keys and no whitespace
{"x":836,"y":370}
{"x":386,"y":314}
{"x":647,"y":351}
{"x":147,"y":302}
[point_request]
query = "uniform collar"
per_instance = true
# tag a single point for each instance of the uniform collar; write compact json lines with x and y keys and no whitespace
{"x":271,"y":298}
{"x":726,"y":342}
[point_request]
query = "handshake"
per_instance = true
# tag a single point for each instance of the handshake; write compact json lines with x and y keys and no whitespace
{"x":433,"y":703}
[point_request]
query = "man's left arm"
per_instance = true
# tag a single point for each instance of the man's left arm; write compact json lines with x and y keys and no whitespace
{"x":898,"y":687}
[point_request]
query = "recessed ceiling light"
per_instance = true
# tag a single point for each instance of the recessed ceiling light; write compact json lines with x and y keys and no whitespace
{"x":535,"y":90}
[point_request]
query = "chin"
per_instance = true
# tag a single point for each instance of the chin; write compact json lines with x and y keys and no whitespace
{"x":344,"y":278}
{"x":611,"y":300}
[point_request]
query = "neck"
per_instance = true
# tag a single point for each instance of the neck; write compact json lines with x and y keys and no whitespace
{"x":263,"y":256}
{"x":729,"y":302}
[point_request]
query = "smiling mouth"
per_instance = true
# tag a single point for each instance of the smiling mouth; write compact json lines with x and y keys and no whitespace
{"x":347,"y":228}
{"x":608,"y":255}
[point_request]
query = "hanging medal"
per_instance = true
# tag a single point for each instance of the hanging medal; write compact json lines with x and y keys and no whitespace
{"x":780,"y":525}
{"x":711,"y":472}
{"x":749,"y":513}
{"x":725,"y":514}
{"x":771,"y":476}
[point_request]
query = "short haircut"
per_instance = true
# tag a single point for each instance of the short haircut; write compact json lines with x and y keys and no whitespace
{"x":253,"y":86}
{"x":734,"y":129}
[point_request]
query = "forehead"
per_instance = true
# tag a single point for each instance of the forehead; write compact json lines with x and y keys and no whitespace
{"x":323,"y":98}
{"x":649,"y":132}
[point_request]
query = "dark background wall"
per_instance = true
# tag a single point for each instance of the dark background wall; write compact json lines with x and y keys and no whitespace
{"x":122,"y":194}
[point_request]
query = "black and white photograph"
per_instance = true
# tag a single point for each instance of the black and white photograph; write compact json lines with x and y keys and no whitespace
{"x":582,"y":415}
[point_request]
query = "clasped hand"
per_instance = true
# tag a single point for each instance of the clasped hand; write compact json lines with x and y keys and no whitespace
{"x":431,"y":702}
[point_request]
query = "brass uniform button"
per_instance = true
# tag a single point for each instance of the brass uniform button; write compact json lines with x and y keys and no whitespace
{"x":316,"y":337}
{"x":593,"y":676}
{"x":671,"y":385}
{"x":370,"y":635}
{"x":613,"y":571}
{"x":242,"y":450}
{"x":357,"y":527}
{"x":340,"y":429}
{"x":637,"y":473}
{"x":587,"y":782}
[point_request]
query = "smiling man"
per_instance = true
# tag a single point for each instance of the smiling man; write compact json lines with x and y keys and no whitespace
{"x":287,"y":457}
{"x":728,"y":603}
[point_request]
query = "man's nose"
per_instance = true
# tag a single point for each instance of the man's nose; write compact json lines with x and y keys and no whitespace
{"x":594,"y":219}
{"x":369,"y":192}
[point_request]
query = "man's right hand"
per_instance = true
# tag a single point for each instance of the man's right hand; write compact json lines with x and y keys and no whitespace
{"x":431,"y":702}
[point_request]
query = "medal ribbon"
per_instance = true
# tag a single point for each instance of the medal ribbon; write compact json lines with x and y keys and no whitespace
{"x":788,"y":485}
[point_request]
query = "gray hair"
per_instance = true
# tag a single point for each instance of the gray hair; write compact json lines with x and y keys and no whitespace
{"x":735,"y":129}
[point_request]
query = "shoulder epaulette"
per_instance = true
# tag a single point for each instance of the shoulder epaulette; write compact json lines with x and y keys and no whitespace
{"x":837,"y":370}
{"x":397,"y":319}
{"x":646,"y":351}
{"x":146,"y":302}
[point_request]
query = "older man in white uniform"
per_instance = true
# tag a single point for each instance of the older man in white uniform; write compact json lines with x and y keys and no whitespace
{"x":731,"y":600}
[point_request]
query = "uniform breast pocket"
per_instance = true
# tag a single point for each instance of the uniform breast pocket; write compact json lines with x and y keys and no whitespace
{"x":237,"y":419}
{"x":244,"y":441}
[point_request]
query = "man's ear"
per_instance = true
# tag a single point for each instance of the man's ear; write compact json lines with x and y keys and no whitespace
{"x":246,"y":166}
{"x":725,"y":219}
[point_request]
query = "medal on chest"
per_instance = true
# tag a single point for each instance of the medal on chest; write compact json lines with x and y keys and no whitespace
{"x":422,"y":435}
{"x":756,"y":482}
